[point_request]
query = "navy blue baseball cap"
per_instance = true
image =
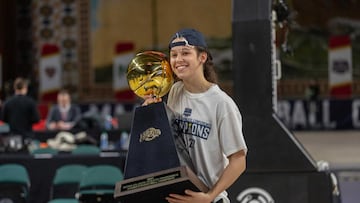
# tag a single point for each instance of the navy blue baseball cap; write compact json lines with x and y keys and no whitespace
{"x":192,"y":37}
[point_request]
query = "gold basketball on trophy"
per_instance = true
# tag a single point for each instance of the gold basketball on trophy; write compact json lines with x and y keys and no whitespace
{"x":149,"y":73}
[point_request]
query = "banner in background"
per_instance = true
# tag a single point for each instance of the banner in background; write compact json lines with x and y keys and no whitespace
{"x":340,"y":67}
{"x":50,"y":73}
{"x":328,"y":114}
{"x":124,"y":53}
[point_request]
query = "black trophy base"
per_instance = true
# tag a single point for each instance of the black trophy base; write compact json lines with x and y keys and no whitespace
{"x":156,"y":186}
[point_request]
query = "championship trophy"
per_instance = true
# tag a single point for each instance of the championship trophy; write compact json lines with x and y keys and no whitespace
{"x":157,"y":162}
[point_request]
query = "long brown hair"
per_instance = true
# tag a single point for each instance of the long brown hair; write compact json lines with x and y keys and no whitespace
{"x":209,"y":67}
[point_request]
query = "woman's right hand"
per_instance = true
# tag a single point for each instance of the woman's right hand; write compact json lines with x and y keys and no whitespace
{"x":149,"y":99}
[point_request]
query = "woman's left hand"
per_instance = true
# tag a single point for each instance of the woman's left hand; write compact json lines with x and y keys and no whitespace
{"x":189,"y":197}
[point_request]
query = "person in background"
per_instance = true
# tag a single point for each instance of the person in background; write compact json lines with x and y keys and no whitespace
{"x":218,"y":151}
{"x":312,"y":98}
{"x":64,"y":115}
{"x":20,"y":111}
{"x":312,"y":91}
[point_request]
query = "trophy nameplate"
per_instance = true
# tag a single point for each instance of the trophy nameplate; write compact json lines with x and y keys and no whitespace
{"x":156,"y":186}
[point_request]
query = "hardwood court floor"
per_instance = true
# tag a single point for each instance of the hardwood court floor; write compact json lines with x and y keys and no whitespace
{"x":341,"y":149}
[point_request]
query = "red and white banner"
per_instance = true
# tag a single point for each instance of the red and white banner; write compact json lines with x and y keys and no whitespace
{"x":124,"y":53}
{"x":340,"y":67}
{"x":50,"y":73}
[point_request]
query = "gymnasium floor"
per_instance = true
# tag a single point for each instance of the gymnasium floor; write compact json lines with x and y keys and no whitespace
{"x":341,"y":149}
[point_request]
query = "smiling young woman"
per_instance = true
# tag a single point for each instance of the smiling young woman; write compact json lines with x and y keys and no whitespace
{"x":207,"y":119}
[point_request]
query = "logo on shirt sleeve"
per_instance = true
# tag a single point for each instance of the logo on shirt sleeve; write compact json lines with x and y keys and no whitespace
{"x":187,"y":112}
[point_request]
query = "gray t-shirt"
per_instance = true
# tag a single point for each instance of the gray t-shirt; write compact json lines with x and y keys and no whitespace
{"x":210,"y":124}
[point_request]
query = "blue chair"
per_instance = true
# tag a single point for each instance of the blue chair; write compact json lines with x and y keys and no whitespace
{"x":85,"y":149}
{"x":64,"y":201}
{"x":98,"y":184}
{"x":66,"y":181}
{"x":14,"y":182}
{"x":46,"y":150}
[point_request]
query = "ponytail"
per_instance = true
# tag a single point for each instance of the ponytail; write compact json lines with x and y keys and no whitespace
{"x":209,"y":68}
